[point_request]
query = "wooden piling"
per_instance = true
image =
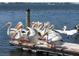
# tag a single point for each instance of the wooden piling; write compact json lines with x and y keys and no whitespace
{"x":28,"y":18}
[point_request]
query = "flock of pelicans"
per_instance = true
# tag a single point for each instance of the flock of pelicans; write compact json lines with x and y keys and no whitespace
{"x":38,"y":33}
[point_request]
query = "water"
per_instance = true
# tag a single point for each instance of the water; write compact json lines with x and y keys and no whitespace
{"x":58,"y":17}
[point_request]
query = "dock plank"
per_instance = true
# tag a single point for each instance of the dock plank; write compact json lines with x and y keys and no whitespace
{"x":70,"y":47}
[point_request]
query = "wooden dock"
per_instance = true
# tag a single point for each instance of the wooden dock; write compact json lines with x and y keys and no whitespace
{"x":65,"y":48}
{"x":70,"y":48}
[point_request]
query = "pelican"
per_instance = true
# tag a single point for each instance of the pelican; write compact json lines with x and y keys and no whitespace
{"x":53,"y":36}
{"x":67,"y":32}
{"x":14,"y":33}
{"x":33,"y":35}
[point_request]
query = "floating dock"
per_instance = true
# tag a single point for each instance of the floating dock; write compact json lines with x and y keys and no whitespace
{"x":65,"y":48}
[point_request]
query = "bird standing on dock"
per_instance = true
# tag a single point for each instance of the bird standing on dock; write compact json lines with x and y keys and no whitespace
{"x":53,"y":36}
{"x":33,"y":35}
{"x":67,"y":32}
{"x":14,"y":33}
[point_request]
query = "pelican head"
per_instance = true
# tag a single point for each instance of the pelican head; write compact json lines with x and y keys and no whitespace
{"x":19,"y":25}
{"x":8,"y":24}
{"x":65,"y":27}
{"x":46,"y":25}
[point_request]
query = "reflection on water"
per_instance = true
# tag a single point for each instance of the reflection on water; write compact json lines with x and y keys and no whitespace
{"x":20,"y":52}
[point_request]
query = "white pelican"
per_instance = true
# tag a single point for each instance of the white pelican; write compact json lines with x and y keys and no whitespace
{"x":53,"y":36}
{"x":14,"y":33}
{"x":67,"y":32}
{"x":33,"y":35}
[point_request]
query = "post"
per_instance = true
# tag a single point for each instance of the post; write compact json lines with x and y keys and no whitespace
{"x":28,"y":18}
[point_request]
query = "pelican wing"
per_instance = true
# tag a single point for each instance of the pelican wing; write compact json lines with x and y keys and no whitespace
{"x":53,"y":36}
{"x":17,"y":36}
